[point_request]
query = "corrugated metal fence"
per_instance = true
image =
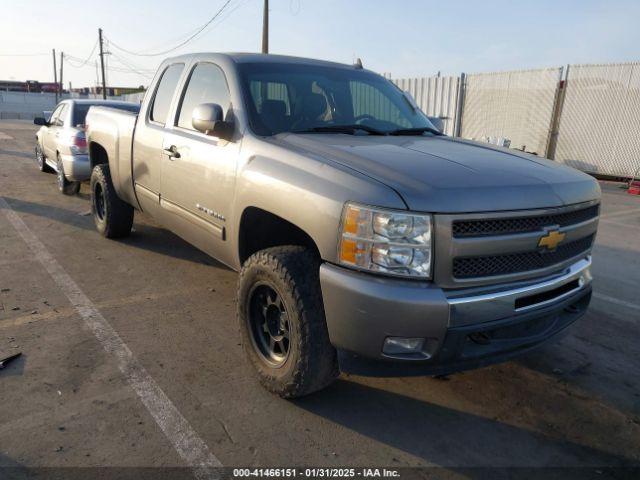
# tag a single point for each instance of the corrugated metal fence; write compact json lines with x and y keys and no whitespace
{"x":516,"y":105}
{"x":599,"y":127}
{"x":437,"y":97}
{"x":590,"y":121}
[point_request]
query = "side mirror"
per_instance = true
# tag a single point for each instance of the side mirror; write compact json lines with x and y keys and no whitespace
{"x":438,"y":123}
{"x":207,"y":118}
{"x":40,"y":121}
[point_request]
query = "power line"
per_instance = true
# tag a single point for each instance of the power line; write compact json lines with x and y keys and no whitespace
{"x":71,"y":59}
{"x":84,"y":62}
{"x":182,"y":44}
{"x":133,"y":68}
{"x":24,"y":54}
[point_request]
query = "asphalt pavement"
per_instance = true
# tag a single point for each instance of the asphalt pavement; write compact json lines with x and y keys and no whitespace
{"x":131,"y":357}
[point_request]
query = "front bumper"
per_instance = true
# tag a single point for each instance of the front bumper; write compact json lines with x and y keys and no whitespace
{"x":463,"y":328}
{"x":77,"y":168}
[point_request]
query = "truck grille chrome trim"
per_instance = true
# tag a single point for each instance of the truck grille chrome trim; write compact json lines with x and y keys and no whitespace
{"x":467,"y":308}
{"x":511,"y":246}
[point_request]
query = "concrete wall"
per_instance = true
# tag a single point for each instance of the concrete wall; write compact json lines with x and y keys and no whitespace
{"x":27,"y":106}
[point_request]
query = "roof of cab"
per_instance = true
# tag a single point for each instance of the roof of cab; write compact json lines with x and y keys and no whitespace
{"x":91,"y":101}
{"x":242,"y":57}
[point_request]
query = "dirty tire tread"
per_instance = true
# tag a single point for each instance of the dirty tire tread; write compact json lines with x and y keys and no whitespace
{"x":297,"y":271}
{"x":67,"y":187}
{"x":118,"y":214}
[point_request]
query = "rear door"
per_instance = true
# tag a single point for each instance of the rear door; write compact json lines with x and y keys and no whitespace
{"x":198,"y":179}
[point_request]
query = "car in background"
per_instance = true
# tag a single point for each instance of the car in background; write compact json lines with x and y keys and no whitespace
{"x":61,"y":146}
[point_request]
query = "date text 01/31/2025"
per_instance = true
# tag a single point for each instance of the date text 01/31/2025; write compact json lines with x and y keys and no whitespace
{"x":315,"y":473}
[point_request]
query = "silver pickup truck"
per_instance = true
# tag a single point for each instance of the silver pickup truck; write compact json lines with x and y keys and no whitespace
{"x":366,"y":240}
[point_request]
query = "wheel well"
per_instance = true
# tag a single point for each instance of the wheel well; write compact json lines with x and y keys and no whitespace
{"x":97,"y":154}
{"x":260,"y":229}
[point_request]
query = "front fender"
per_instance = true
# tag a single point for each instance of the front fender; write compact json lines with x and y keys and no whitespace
{"x":307,"y":192}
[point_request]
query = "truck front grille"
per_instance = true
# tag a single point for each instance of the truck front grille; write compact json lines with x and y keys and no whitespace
{"x":487,"y":266}
{"x":504,"y":226}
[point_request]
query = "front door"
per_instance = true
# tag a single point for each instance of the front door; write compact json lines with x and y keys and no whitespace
{"x":147,"y":159}
{"x":52,"y":134}
{"x":198,"y":171}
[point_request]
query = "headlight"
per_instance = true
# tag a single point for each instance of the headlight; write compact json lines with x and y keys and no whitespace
{"x":385,"y":241}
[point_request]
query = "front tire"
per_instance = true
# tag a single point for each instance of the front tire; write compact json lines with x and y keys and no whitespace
{"x":112,"y":216}
{"x":281,"y":317}
{"x":65,"y":186}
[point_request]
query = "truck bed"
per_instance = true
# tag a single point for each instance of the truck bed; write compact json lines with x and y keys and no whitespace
{"x":112,"y":130}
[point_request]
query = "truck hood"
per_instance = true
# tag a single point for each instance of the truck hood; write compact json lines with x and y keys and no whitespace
{"x":445,"y":175}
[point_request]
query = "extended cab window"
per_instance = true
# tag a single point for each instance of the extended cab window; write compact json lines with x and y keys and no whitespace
{"x":207,"y":84}
{"x":164,"y":93}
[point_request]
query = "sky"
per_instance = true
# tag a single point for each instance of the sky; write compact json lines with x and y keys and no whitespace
{"x":404,"y":38}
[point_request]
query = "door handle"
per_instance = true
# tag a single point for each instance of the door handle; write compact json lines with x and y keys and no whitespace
{"x":171,"y":152}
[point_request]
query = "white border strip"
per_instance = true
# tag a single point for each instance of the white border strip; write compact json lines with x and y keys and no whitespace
{"x":193,"y":450}
{"x":617,"y":301}
{"x":621,"y":213}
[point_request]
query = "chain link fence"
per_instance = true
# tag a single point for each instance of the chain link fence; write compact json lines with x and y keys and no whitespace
{"x":436,"y":96}
{"x":599,"y":127}
{"x":517,"y":106}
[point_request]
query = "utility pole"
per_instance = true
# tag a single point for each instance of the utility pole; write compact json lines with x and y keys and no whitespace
{"x":104,"y":82}
{"x":61,"y":71}
{"x":55,"y":73}
{"x":265,"y":27}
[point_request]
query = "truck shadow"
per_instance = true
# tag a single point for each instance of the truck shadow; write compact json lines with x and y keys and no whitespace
{"x":145,"y":236}
{"x":445,"y":436}
{"x":16,"y":153}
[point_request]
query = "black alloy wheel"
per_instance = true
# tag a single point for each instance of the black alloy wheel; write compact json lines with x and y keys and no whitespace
{"x":269,"y":325}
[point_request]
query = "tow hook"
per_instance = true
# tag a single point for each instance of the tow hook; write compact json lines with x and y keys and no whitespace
{"x":481,"y":338}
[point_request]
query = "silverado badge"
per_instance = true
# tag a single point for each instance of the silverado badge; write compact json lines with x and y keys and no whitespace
{"x":551,"y":240}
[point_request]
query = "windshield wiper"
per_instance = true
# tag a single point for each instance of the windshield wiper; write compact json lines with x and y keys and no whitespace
{"x":350,"y":129}
{"x":415,"y":131}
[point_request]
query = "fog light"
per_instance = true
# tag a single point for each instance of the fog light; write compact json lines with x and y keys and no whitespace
{"x":402,"y":345}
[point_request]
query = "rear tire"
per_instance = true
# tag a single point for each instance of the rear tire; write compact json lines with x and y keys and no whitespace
{"x":112,"y":216}
{"x":64,"y":185}
{"x":41,"y":160}
{"x":282,"y":321}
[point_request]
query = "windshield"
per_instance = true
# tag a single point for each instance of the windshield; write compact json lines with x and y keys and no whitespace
{"x":80,"y":110}
{"x":284,"y":97}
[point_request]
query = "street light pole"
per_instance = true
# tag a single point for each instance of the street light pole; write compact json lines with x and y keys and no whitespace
{"x":265,"y":27}
{"x":61,"y":72}
{"x":55,"y":74}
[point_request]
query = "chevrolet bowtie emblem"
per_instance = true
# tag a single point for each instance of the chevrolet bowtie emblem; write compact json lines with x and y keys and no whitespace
{"x":551,"y":240}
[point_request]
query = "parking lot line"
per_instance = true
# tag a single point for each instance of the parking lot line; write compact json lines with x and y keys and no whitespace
{"x":617,"y":301}
{"x":193,"y":450}
{"x":621,"y":213}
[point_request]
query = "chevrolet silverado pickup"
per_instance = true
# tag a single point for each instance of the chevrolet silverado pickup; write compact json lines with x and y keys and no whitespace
{"x":366,"y":241}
